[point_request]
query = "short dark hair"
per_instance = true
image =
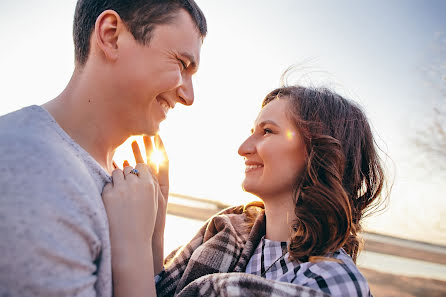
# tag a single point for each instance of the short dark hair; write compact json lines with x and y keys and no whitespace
{"x":140,"y":16}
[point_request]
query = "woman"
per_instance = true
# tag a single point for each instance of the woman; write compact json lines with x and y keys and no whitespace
{"x":311,"y":159}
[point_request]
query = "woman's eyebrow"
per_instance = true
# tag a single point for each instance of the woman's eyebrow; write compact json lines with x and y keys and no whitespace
{"x":267,"y":122}
{"x":264,"y":123}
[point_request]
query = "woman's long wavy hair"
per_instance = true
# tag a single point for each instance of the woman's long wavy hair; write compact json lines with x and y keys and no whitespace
{"x":343,"y":178}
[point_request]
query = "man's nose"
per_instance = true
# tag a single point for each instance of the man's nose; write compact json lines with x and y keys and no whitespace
{"x":185,"y":92}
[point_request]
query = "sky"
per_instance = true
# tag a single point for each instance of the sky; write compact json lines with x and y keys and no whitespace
{"x":377,"y":53}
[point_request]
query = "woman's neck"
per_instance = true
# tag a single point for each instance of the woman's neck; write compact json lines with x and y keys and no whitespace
{"x":279,"y":218}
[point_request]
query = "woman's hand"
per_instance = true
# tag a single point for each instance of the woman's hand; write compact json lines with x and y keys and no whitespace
{"x":160,"y":173}
{"x":131,"y":203}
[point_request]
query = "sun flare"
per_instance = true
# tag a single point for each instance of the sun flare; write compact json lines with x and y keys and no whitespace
{"x":156,"y":158}
{"x":124,"y":152}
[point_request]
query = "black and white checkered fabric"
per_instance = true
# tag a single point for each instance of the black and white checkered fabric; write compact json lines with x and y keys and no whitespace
{"x":336,"y":279}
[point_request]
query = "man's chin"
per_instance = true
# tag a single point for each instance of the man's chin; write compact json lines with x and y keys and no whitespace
{"x":152,"y":130}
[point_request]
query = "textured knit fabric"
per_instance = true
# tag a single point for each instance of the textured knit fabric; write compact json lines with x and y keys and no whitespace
{"x":213,"y":262}
{"x":54,"y":238}
{"x":335,"y":278}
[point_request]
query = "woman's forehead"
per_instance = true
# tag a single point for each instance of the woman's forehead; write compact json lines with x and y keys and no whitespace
{"x":275,"y":111}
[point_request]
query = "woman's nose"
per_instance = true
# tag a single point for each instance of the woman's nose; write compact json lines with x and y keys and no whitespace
{"x":247,"y":147}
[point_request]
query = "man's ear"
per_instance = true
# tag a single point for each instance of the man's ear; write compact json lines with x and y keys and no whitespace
{"x":106,"y":30}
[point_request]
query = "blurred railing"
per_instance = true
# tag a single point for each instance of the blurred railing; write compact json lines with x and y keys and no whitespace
{"x":192,"y":207}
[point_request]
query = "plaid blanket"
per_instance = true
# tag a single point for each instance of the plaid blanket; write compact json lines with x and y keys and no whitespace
{"x":213,"y":262}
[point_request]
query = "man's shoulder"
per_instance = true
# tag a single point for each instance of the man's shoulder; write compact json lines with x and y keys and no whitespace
{"x":44,"y":181}
{"x":29,"y":138}
{"x":21,"y":119}
{"x":43,"y":172}
{"x":36,"y":159}
{"x":25,"y":130}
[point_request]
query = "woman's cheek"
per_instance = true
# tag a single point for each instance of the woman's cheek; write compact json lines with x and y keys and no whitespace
{"x":262,"y":151}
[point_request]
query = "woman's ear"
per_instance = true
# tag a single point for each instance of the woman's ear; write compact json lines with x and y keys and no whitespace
{"x":106,"y":32}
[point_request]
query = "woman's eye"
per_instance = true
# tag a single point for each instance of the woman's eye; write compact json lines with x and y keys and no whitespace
{"x":267,"y":131}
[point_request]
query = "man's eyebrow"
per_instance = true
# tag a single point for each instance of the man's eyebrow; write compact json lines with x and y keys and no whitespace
{"x":191,"y":58}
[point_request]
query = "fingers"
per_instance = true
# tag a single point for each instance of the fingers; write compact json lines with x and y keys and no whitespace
{"x":127,"y":174}
{"x":137,"y":153}
{"x":148,"y":146}
{"x":160,"y":146}
{"x":152,"y":160}
{"x":117,"y":176}
{"x":163,"y":170}
{"x":149,"y":152}
{"x":144,"y":171}
{"x":127,"y":170}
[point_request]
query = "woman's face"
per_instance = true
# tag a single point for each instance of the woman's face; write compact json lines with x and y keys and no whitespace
{"x":274,"y":153}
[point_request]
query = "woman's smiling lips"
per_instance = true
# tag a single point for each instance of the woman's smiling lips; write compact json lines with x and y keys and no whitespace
{"x":251,"y":166}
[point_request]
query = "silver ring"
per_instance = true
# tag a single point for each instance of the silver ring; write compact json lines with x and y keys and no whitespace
{"x":135,"y":172}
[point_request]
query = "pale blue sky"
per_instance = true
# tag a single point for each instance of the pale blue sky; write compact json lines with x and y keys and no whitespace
{"x":370,"y":51}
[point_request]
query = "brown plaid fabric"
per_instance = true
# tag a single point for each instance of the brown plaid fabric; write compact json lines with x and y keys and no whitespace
{"x":213,"y":262}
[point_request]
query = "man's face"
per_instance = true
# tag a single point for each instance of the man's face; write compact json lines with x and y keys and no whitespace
{"x":154,"y":77}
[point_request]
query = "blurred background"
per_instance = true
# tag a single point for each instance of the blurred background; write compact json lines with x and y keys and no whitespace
{"x":389,"y":56}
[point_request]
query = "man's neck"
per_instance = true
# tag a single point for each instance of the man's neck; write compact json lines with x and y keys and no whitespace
{"x":84,"y":113}
{"x":279,"y":212}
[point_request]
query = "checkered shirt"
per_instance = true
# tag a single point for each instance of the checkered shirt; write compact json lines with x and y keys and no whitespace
{"x":336,"y":279}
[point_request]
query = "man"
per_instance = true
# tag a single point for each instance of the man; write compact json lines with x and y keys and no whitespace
{"x":133,"y":62}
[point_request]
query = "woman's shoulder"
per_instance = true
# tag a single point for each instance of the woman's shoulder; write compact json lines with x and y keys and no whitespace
{"x":338,"y":275}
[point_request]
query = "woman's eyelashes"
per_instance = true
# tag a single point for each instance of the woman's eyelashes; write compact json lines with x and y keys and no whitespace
{"x":263,"y":131}
{"x":267,"y":131}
